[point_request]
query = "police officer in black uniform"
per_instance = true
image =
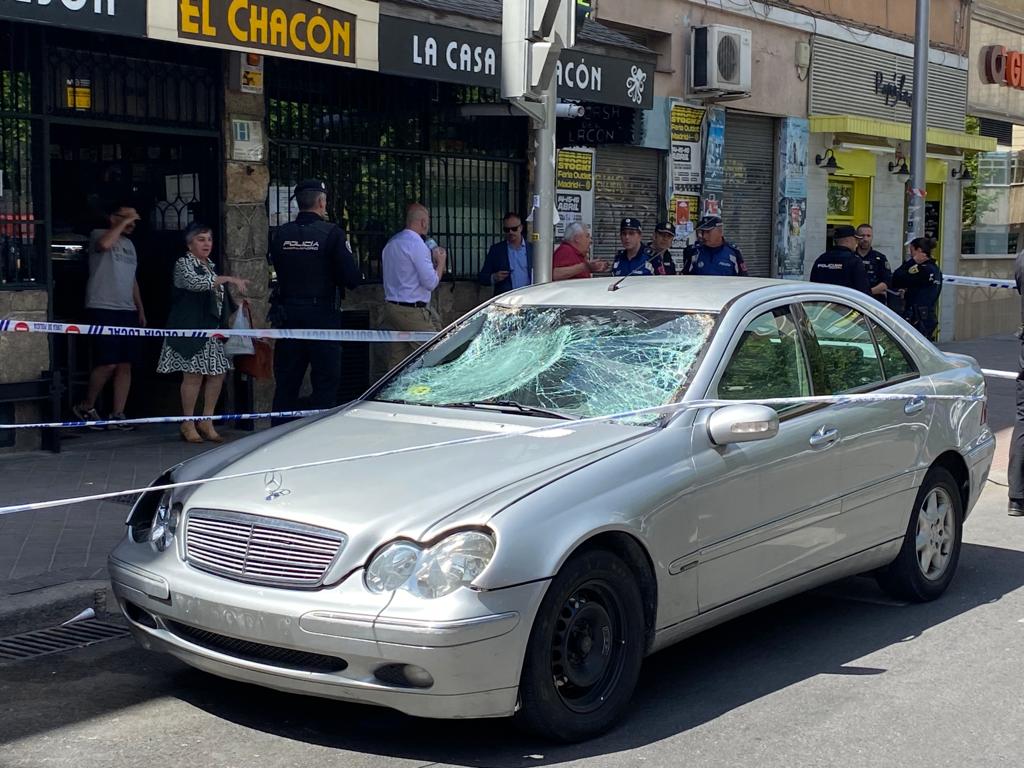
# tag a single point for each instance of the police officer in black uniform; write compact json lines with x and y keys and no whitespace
{"x":920,"y":280}
{"x":312,"y":260}
{"x":841,"y":265}
{"x":876,"y":264}
{"x":661,"y":245}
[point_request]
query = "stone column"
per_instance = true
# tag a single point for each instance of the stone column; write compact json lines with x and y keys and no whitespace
{"x":246,"y":224}
{"x":23,"y":356}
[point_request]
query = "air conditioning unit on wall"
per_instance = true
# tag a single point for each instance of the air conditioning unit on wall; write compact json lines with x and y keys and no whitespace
{"x":720,"y":61}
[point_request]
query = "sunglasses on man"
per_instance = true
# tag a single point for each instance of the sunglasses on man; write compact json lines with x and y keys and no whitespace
{"x":512,"y":229}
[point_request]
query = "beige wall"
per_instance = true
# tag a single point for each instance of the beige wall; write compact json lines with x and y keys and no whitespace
{"x":986,"y":311}
{"x":23,"y":356}
{"x":776,"y":88}
{"x":898,"y":16}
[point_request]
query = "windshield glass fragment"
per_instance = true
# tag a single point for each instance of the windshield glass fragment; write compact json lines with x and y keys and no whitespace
{"x":578,"y":361}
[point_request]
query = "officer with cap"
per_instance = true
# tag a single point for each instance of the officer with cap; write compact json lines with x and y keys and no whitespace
{"x":841,"y":265}
{"x":312,"y":260}
{"x":635,"y":258}
{"x":919,"y":279}
{"x":661,"y":245}
{"x":712,"y":255}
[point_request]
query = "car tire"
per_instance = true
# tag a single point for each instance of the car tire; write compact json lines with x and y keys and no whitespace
{"x":585,"y":650}
{"x":928,"y":558}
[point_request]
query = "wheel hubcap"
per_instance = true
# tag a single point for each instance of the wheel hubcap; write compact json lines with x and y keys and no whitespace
{"x":936,"y":534}
{"x":587,"y":647}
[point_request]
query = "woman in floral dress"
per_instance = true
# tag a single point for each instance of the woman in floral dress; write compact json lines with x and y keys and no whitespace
{"x":199,"y":301}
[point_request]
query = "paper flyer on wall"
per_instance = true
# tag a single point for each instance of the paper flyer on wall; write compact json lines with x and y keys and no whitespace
{"x":686,"y":124}
{"x":574,"y":187}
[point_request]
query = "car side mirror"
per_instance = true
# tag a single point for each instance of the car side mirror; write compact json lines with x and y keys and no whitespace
{"x":742,"y":423}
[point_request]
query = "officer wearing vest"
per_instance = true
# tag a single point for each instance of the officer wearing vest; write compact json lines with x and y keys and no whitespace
{"x":920,"y":280}
{"x":635,"y":258}
{"x":712,"y":255}
{"x":312,"y":260}
{"x":841,"y":265}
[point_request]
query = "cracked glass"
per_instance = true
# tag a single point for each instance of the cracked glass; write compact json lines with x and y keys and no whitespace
{"x":578,"y":362}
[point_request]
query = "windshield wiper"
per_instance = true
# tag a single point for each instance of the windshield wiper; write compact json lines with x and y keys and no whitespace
{"x":512,"y":405}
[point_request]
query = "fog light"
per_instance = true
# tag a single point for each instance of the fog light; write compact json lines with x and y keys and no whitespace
{"x":418,"y":676}
{"x":404,"y":676}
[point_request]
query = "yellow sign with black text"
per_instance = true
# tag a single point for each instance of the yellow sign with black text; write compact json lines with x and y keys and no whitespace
{"x":340,"y":32}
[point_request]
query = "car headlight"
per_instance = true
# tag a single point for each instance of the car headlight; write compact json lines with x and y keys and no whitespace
{"x":434,"y":572}
{"x":165,"y":523}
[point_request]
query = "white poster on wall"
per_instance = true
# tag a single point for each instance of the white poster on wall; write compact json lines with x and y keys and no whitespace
{"x":574,"y":187}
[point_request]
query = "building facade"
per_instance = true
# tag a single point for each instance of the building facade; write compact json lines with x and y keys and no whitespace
{"x":993,"y":215}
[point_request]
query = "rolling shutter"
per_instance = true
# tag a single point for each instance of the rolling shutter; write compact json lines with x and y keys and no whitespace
{"x":750,"y":189}
{"x":627,"y":184}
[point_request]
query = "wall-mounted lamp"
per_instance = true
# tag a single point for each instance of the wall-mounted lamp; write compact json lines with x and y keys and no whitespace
{"x":828,"y":162}
{"x":899,"y":166}
{"x":963,"y":174}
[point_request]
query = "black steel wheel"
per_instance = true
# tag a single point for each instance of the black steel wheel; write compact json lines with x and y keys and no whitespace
{"x":585,"y":649}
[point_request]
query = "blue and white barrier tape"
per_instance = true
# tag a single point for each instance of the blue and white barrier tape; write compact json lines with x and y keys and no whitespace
{"x":555,"y":430}
{"x":163,"y":420}
{"x":13,"y":325}
{"x":979,"y":282}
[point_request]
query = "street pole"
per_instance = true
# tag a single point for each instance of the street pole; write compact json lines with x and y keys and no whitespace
{"x":919,"y":125}
{"x":544,"y":186}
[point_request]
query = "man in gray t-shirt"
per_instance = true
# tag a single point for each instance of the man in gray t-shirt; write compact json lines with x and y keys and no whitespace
{"x":112,"y":299}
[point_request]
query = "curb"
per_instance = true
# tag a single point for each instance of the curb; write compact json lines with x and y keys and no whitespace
{"x":50,"y":606}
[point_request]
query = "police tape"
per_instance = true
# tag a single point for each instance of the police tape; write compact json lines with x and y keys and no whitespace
{"x":13,"y":325}
{"x":163,"y":420}
{"x":556,"y":430}
{"x":989,"y":372}
{"x":979,"y":282}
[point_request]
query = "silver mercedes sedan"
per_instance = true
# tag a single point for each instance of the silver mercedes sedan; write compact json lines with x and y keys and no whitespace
{"x":557,"y":485}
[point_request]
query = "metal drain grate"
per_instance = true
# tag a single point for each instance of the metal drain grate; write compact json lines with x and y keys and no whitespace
{"x":43,"y":642}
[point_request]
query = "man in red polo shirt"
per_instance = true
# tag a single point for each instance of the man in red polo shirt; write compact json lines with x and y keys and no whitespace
{"x":570,"y":258}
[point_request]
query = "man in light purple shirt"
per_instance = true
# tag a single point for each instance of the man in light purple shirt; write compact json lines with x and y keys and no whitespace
{"x":411,"y":271}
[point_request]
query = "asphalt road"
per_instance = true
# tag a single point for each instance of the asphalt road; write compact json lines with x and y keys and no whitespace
{"x":838,"y":677}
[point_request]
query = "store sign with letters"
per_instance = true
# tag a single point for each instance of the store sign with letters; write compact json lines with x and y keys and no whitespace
{"x":435,"y":52}
{"x":1002,"y":67}
{"x":339,"y":32}
{"x":118,"y":17}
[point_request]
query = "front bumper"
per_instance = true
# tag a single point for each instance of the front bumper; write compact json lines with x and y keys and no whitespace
{"x":472,"y":644}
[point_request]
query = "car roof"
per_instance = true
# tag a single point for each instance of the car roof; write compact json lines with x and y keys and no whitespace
{"x":692,"y":292}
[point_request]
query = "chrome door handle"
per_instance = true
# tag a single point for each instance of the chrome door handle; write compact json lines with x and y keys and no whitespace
{"x":825,"y":436}
{"x":915,"y":406}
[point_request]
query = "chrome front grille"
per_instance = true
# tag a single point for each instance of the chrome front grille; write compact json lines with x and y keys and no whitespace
{"x":260,"y":550}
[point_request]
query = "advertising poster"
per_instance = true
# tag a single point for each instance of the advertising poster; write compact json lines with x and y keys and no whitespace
{"x":684,"y":211}
{"x":714,"y":163}
{"x":791,"y":193}
{"x":574,"y":187}
{"x":686,"y":124}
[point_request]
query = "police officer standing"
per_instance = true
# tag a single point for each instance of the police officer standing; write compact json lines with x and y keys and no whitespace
{"x":876,"y":264}
{"x":634,"y":258}
{"x":1015,"y":470}
{"x":711,"y":254}
{"x":312,"y":260}
{"x":661,"y":245}
{"x":841,"y":265}
{"x":920,"y":280}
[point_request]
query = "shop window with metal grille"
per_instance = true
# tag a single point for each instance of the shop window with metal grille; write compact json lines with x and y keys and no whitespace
{"x":382,"y":142}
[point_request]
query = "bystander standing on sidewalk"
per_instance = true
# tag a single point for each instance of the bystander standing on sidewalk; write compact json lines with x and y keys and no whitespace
{"x":1015,"y":469}
{"x":112,"y":298}
{"x":570,"y":260}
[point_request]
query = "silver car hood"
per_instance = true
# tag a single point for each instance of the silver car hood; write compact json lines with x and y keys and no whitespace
{"x":376,"y":499}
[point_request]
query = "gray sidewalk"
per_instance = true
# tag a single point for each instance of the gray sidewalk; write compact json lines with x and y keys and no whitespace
{"x":40,"y":551}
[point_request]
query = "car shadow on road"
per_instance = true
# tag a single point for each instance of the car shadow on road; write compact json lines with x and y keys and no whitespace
{"x":689,"y":684}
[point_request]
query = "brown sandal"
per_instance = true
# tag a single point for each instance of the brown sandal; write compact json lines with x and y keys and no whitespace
{"x":188,"y":432}
{"x":207,"y":431}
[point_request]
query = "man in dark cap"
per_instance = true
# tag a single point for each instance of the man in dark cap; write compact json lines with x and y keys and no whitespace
{"x":312,"y":260}
{"x":661,"y":245}
{"x":841,"y":265}
{"x":635,"y":258}
{"x":712,"y":255}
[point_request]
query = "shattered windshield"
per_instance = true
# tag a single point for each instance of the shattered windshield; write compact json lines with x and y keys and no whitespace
{"x":575,"y":362}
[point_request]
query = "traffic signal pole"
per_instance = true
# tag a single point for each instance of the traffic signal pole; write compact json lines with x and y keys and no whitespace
{"x":919,"y":126}
{"x":543,"y":134}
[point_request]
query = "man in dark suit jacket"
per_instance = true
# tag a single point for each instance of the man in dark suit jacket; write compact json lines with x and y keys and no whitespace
{"x":509,"y":264}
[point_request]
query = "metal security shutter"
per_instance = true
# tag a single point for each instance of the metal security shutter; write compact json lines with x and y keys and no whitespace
{"x":750,"y":188}
{"x":627,"y":184}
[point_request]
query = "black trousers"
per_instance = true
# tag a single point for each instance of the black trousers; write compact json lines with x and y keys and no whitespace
{"x":1015,"y":470}
{"x":293,"y":356}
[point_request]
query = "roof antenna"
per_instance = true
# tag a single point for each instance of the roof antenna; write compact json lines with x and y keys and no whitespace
{"x":615,"y":286}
